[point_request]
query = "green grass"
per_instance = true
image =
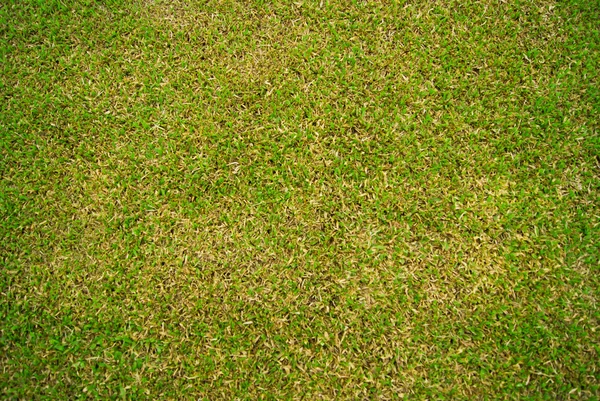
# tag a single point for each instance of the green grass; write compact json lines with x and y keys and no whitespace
{"x":309,"y":200}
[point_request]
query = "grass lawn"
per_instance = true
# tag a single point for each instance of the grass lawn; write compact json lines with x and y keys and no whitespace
{"x":299,"y":200}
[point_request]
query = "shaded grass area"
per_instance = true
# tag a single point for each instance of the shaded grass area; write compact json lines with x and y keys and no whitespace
{"x":329,"y":200}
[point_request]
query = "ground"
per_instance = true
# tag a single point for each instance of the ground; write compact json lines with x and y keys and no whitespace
{"x":318,"y":200}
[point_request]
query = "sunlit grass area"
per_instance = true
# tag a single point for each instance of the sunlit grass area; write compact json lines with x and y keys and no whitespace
{"x":299,"y":200}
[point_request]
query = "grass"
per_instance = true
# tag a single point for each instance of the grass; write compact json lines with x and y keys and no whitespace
{"x":303,"y":200}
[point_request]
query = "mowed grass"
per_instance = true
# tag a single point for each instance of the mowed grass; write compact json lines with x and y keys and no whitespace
{"x":299,"y":200}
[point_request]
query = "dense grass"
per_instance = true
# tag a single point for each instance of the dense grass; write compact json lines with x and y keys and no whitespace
{"x":328,"y":200}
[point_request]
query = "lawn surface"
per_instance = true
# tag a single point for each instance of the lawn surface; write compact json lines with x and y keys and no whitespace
{"x":329,"y":200}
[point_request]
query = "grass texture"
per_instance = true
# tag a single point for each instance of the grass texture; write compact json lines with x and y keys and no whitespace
{"x":246,"y":200}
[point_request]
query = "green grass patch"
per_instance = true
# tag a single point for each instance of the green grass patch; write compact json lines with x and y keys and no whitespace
{"x":287,"y":200}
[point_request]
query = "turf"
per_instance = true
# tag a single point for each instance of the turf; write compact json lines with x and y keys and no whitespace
{"x":299,"y":200}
